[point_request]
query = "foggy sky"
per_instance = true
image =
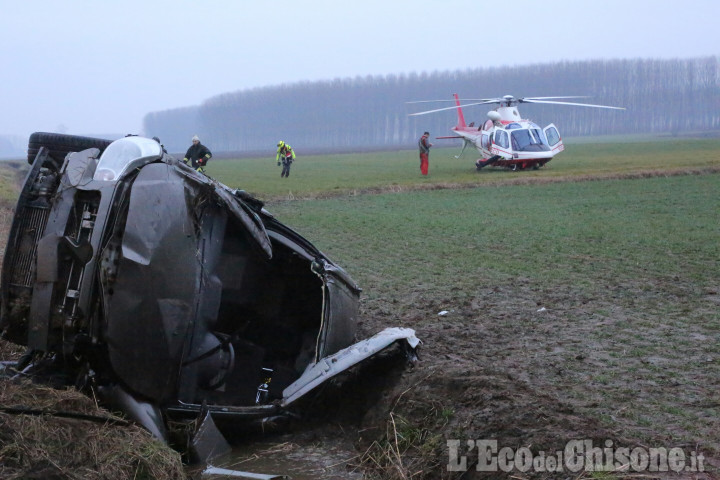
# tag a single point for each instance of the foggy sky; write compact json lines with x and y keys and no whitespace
{"x":97,"y":67}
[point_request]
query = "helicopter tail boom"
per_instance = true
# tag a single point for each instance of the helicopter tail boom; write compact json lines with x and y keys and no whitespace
{"x":461,"y":117}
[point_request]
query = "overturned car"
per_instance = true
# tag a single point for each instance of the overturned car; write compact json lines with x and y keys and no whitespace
{"x":167,"y":292}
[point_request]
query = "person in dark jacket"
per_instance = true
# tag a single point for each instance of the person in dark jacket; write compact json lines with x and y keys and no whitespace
{"x":198,"y":155}
{"x":424,"y":147}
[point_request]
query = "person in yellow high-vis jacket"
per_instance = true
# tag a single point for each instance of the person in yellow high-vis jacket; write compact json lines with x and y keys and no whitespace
{"x":285,"y":156}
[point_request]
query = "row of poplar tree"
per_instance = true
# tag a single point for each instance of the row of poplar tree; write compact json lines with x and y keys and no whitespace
{"x":673,"y":96}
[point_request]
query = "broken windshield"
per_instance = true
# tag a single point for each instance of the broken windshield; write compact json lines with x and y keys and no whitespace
{"x":124,"y":154}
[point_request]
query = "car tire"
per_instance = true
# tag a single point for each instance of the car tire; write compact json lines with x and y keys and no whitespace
{"x":60,"y":145}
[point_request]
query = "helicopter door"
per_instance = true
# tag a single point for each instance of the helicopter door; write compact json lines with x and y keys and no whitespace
{"x":553,"y":138}
{"x":501,"y":144}
{"x":485,"y":144}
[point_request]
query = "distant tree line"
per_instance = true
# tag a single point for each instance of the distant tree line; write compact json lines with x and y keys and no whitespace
{"x":12,"y":146}
{"x":671,"y":96}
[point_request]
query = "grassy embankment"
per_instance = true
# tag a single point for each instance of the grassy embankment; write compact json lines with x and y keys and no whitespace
{"x":11,"y":174}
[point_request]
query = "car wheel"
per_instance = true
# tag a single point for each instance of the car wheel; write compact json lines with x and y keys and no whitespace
{"x":60,"y":145}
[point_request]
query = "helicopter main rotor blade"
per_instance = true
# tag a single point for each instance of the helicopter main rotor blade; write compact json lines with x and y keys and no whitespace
{"x":525,"y":99}
{"x":452,"y":100}
{"x":451,"y":108}
{"x":576,"y":104}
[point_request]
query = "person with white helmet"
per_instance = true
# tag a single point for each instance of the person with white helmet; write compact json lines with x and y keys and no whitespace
{"x":285,"y":156}
{"x":198,"y":155}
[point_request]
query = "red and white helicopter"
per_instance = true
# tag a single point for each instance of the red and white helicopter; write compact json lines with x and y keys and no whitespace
{"x":506,"y":139}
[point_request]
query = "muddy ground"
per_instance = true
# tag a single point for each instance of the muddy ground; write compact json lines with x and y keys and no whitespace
{"x":515,"y":364}
{"x":523,"y":366}
{"x":512,"y":364}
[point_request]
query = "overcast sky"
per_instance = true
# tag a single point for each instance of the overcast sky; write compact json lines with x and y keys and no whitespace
{"x":93,"y":67}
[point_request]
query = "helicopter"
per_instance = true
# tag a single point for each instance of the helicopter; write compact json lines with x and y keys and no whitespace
{"x":505,"y":139}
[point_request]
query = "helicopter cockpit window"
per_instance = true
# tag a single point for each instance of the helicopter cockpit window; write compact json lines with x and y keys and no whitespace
{"x":538,"y":135}
{"x":527,"y":140}
{"x":511,"y":126}
{"x":501,"y":139}
{"x":124,"y":154}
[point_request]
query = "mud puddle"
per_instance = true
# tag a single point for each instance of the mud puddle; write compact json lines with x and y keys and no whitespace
{"x":320,"y":460}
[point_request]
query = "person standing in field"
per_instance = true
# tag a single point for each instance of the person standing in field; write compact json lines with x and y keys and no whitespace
{"x":424,"y":146}
{"x":285,"y":156}
{"x":198,"y":155}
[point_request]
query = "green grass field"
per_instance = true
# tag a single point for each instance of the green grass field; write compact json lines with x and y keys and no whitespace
{"x":584,"y":233}
{"x":577,"y":232}
{"x":618,"y":242}
{"x":399,"y":170}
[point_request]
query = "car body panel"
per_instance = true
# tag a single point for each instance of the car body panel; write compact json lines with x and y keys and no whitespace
{"x":330,"y":366}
